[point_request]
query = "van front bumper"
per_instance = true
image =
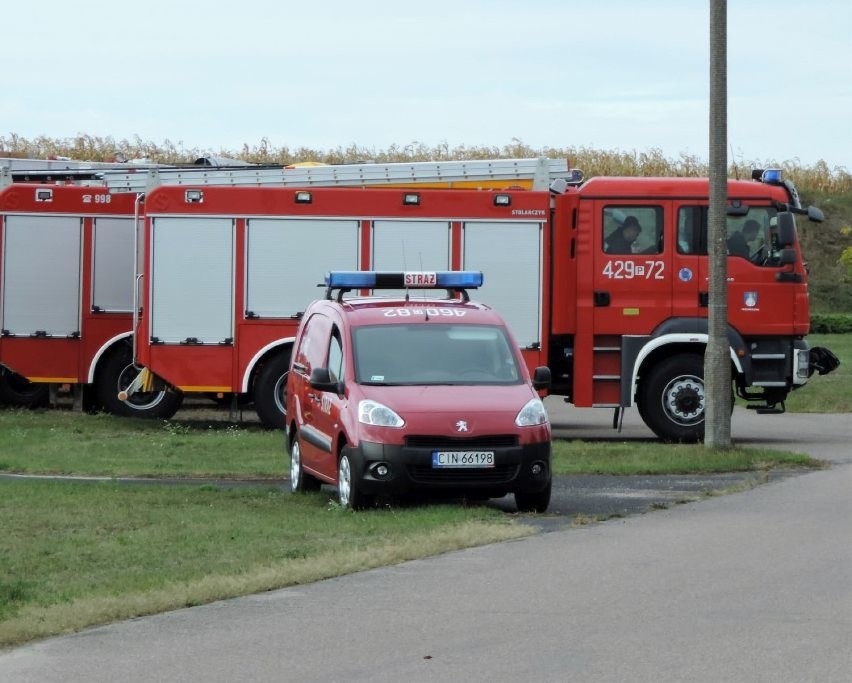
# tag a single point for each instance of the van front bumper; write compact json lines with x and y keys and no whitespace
{"x":392,"y":469}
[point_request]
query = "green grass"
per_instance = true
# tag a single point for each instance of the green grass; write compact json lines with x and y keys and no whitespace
{"x":75,"y":554}
{"x":64,"y":442}
{"x":649,"y":457}
{"x":831,"y":393}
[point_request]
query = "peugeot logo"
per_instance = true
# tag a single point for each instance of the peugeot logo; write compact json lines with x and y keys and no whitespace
{"x":461,"y":426}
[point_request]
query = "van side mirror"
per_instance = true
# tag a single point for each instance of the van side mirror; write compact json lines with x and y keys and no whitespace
{"x":321,"y":380}
{"x":541,"y":378}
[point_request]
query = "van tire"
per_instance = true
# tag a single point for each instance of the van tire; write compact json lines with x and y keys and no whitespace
{"x":348,"y":492}
{"x":270,"y":390}
{"x":299,"y":481}
{"x":533,"y":501}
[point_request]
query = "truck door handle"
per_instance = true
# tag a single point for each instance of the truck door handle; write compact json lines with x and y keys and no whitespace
{"x":601,"y":299}
{"x":703,"y":299}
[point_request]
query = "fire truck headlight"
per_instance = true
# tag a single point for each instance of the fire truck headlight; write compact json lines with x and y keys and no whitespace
{"x":802,"y":363}
{"x":533,"y":413}
{"x":378,"y":415}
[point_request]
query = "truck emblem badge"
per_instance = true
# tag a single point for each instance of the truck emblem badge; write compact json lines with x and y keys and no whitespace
{"x":685,"y":274}
{"x":461,"y":426}
{"x":750,"y":299}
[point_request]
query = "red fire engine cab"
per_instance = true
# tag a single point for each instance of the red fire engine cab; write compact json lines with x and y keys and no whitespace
{"x":604,"y":281}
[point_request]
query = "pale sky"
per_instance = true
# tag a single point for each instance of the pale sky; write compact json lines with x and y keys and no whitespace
{"x":629,"y":75}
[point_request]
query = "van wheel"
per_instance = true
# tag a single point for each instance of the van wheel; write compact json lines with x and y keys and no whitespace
{"x":673,"y":398}
{"x":299,"y":481}
{"x":349,"y":495}
{"x":116,"y":374}
{"x":16,"y":390}
{"x":533,"y":501}
{"x":270,"y":390}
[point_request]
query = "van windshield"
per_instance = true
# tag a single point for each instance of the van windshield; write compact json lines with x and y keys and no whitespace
{"x":434,"y":353}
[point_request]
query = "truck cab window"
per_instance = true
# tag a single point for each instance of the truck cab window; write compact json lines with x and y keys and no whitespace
{"x":749,"y":237}
{"x":632,"y":230}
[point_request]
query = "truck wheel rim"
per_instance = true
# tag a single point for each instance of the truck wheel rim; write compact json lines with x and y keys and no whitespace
{"x":684,"y":399}
{"x":140,"y":400}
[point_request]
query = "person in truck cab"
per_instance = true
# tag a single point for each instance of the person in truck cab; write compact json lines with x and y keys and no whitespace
{"x":621,"y":240}
{"x":739,"y":243}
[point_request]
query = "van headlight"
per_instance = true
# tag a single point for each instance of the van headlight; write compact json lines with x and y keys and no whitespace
{"x":533,"y":413}
{"x":378,"y":415}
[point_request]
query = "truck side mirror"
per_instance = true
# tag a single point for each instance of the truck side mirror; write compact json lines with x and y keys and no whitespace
{"x":816,"y":215}
{"x":786,"y":229}
{"x":541,"y":378}
{"x":787,"y":257}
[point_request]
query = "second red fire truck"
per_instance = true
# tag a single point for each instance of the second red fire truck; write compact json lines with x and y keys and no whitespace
{"x":604,"y":281}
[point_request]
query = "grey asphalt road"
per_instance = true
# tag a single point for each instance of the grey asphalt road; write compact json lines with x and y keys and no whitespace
{"x":753,"y":586}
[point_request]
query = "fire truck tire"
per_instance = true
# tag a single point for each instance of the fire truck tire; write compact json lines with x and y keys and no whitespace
{"x":116,"y":374}
{"x":270,"y":390}
{"x":299,"y":481}
{"x":533,"y":501}
{"x":18,"y":391}
{"x":672,"y":398}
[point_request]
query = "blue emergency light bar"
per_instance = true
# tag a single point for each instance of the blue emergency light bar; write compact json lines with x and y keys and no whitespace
{"x":371,"y":279}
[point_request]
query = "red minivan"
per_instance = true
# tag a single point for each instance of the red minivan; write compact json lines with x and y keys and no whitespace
{"x":388,"y":396}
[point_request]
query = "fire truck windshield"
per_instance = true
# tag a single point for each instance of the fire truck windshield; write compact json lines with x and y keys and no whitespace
{"x":753,"y":237}
{"x":434,"y":353}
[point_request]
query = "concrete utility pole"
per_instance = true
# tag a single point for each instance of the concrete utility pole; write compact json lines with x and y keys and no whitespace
{"x":717,"y":364}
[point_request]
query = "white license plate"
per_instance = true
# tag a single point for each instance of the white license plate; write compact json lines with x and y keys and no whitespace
{"x":462,"y":458}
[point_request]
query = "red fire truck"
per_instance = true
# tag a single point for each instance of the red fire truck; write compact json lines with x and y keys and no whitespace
{"x":618,"y":313}
{"x":67,"y":264}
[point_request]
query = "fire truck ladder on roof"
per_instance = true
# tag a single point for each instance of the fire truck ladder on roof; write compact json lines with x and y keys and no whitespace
{"x":478,"y":174}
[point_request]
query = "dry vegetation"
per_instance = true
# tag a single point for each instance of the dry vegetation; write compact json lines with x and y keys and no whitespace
{"x":828,"y":247}
{"x":816,"y":179}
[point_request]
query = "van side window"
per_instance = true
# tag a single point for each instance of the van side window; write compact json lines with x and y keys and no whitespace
{"x":632,"y":229}
{"x":335,"y":356}
{"x":313,"y":347}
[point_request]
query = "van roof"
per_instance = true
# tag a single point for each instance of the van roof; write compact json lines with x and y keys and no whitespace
{"x":387,"y":311}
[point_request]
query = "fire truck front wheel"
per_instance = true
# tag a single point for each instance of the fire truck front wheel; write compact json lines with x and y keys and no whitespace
{"x":672,"y":398}
{"x":115,"y":376}
{"x":270,"y":390}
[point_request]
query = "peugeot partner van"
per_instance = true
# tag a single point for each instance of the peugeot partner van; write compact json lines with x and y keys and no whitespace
{"x":388,"y":396}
